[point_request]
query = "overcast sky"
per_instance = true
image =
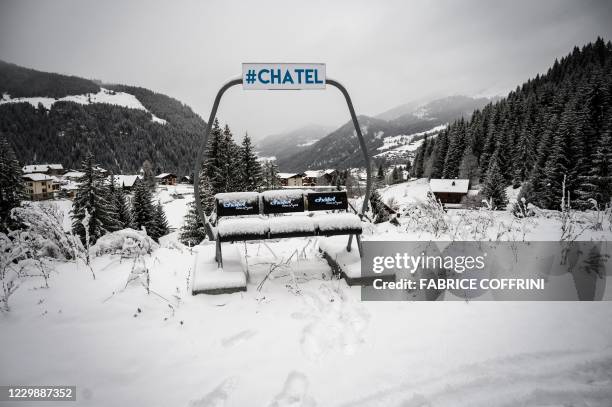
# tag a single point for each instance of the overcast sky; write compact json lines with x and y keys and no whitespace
{"x":385,"y":52}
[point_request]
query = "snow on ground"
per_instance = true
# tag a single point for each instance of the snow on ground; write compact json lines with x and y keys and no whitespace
{"x":103,"y":96}
{"x":297,"y":336}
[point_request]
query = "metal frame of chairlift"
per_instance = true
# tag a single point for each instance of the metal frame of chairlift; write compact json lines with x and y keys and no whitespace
{"x":203,"y":147}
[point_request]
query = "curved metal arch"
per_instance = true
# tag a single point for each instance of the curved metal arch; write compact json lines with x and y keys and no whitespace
{"x":238,"y":81}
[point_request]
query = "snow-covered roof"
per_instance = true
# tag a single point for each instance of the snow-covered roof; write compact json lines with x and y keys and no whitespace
{"x":313,"y":173}
{"x":37,"y":177}
{"x":73,"y":174}
{"x":459,"y":186}
{"x":164,"y":175}
{"x":329,"y":171}
{"x":41,"y":167}
{"x":285,"y":175}
{"x":125,"y":180}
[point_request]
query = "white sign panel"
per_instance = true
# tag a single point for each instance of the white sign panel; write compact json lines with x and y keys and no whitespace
{"x":283,"y":76}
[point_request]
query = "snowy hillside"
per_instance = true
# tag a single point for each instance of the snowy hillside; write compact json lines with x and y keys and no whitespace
{"x":103,"y":96}
{"x":401,"y":145}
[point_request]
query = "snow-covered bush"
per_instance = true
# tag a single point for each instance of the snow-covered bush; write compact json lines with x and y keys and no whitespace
{"x":126,"y":242}
{"x":42,"y":231}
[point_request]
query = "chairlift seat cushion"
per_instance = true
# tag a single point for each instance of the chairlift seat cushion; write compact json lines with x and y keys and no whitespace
{"x":238,"y":229}
{"x":338,"y":224}
{"x":291,"y":226}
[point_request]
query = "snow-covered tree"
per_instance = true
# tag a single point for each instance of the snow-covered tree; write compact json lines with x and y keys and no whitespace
{"x":270,"y":175}
{"x":11,"y":183}
{"x":159,"y":226}
{"x":120,"y":206}
{"x":468,"y":169}
{"x":494,"y":187}
{"x":193,"y":231}
{"x":597,"y":185}
{"x":230,"y":155}
{"x":143,"y":211}
{"x":148,"y":175}
{"x":380,"y":211}
{"x":251,"y":168}
{"x":92,"y":197}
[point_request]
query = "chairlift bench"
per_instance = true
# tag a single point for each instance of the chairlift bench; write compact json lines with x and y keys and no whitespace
{"x":278,"y":214}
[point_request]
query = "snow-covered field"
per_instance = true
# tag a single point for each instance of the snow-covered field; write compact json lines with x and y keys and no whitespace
{"x":297,"y":336}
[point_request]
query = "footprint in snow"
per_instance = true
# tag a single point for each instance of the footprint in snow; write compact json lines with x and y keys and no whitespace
{"x":336,"y":324}
{"x":294,"y":393}
{"x":238,"y":338}
{"x":217,"y":397}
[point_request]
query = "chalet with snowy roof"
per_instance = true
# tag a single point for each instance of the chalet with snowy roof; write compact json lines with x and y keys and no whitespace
{"x":166,"y":178}
{"x":38,"y":186}
{"x":126,"y":182}
{"x":73,"y":175}
{"x":49,"y":169}
{"x":319,"y":177}
{"x":288,"y":179}
{"x":449,"y":192}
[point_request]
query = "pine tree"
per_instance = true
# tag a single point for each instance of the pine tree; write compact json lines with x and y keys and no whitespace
{"x":148,"y":175}
{"x":214,"y":159}
{"x":468,"y":169}
{"x":92,"y":198}
{"x":143,"y":211}
{"x":494,"y":188}
{"x":232,"y":165}
{"x":379,"y":181}
{"x":251,"y":168}
{"x":193,"y":231}
{"x":597,"y":185}
{"x":119,"y":204}
{"x":159,"y":225}
{"x":11,"y":183}
{"x":379,"y":209}
{"x":270,"y":175}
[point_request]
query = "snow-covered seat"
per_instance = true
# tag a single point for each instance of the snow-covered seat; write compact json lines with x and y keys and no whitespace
{"x":291,"y":226}
{"x":337,"y":224}
{"x":244,"y":216}
{"x":242,"y":228}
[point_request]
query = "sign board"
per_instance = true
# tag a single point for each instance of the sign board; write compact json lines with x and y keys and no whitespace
{"x":327,"y":201}
{"x":283,"y":76}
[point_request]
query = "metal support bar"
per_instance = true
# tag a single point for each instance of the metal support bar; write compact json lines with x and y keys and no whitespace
{"x":203,"y":148}
{"x":362,"y":143}
{"x":238,"y":81}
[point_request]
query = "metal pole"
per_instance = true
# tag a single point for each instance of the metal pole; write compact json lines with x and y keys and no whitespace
{"x":364,"y":148}
{"x":203,"y":148}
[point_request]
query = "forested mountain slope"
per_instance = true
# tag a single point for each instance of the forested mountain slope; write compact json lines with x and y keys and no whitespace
{"x":120,"y":137}
{"x":555,"y":126}
{"x":340,"y":148}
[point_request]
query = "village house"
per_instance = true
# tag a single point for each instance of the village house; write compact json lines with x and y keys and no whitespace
{"x":126,"y":182}
{"x":319,"y":177}
{"x":48,"y":169}
{"x":38,"y":186}
{"x":73,"y":175}
{"x":449,"y":192}
{"x":166,"y":178}
{"x":288,"y":179}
